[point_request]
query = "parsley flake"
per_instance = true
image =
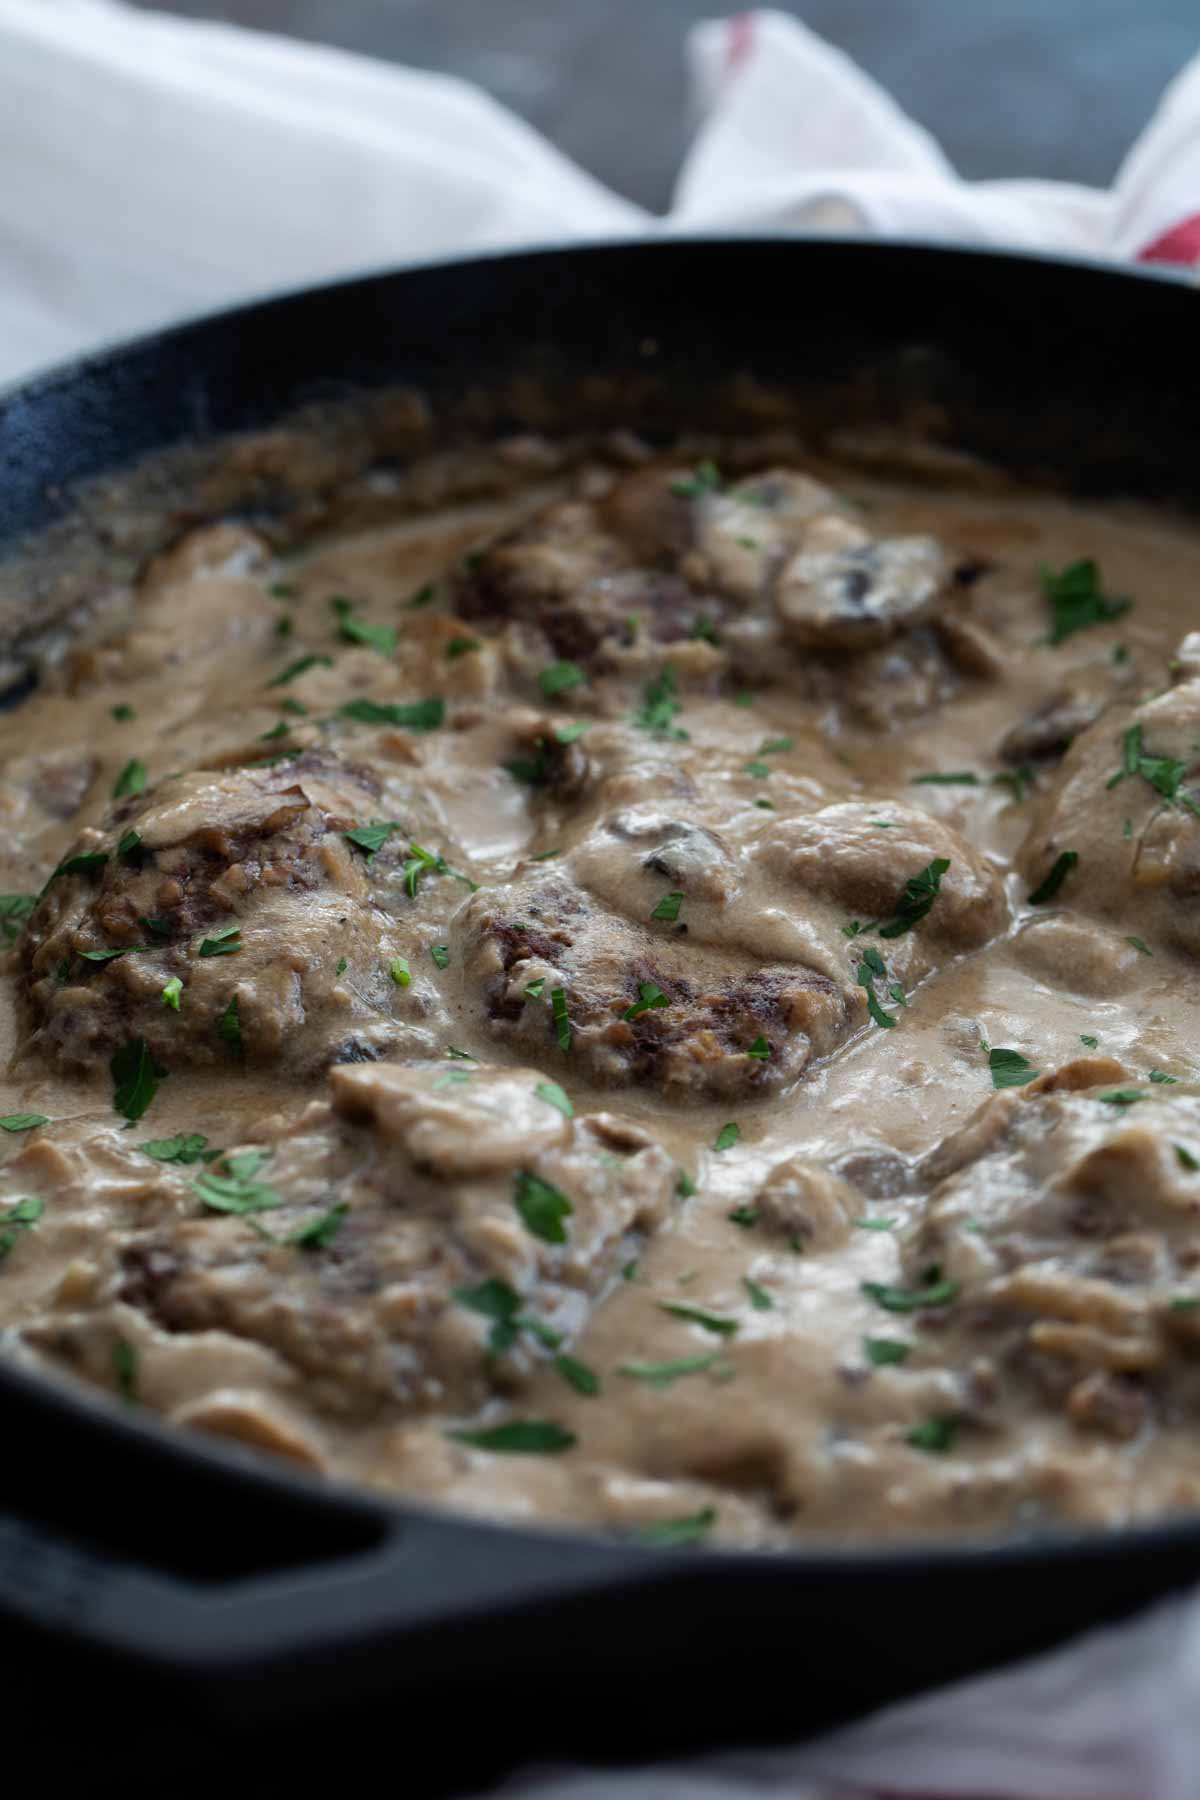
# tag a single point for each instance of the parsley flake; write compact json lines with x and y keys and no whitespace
{"x":934,"y":1292}
{"x":125,"y":1370}
{"x":881,"y":1352}
{"x":131,"y":780}
{"x":663,"y":1374}
{"x":520,"y":1437}
{"x":650,"y":997}
{"x":135,"y":1076}
{"x":667,"y":1533}
{"x":560,"y":678}
{"x":728,"y":1136}
{"x":23,"y":1121}
{"x":695,"y":1315}
{"x":416,"y":715}
{"x":1186,"y":1158}
{"x":951,"y":778}
{"x":555,"y":1096}
{"x":1159,"y":1076}
{"x":1076,"y":600}
{"x":936,"y":1435}
{"x":577,"y":1375}
{"x":320,"y":1232}
{"x":1092,"y":1043}
{"x":1009,"y":1068}
{"x":14,"y":910}
{"x":1122,"y":1097}
{"x":668,"y":907}
{"x":20,"y":1217}
{"x":129,"y":843}
{"x":400,"y":972}
{"x":123,"y":713}
{"x":229,"y":1026}
{"x":1140,"y":945}
{"x":746,"y":1217}
{"x":440,"y":954}
{"x":920,"y":892}
{"x":371,"y":838}
{"x":706,"y":480}
{"x":542,"y":1207}
{"x":301,"y":666}
{"x":533,"y":989}
{"x":184,"y":1147}
{"x":562,"y":1020}
{"x":1059,"y":871}
{"x":660,"y":704}
{"x":760,"y":1299}
{"x":760,"y":1050}
{"x":226,"y":942}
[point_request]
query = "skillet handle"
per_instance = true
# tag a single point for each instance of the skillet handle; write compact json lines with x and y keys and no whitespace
{"x":399,"y":1603}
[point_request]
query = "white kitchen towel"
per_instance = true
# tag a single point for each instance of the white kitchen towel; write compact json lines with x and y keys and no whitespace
{"x":155,"y":167}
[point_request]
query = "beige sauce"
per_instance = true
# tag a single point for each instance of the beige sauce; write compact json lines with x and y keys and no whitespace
{"x":1054,"y":1381}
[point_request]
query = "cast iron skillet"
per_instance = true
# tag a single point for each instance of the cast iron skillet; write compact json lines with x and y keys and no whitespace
{"x":267,"y":1593}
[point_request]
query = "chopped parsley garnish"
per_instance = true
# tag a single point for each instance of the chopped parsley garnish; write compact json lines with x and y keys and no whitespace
{"x":662,"y":1374}
{"x":704,"y":631}
{"x":1164,"y":773}
{"x":934,"y":1292}
{"x":920,"y":892}
{"x":685,"y":1187}
{"x":629,"y":1270}
{"x":766,"y":805}
{"x":400,"y":972}
{"x":1092,"y":1043}
{"x":1183,"y":1302}
{"x":1157,"y":1075}
{"x":1140,"y":945}
{"x":284,"y":625}
{"x":159,"y":928}
{"x":229,"y":1026}
{"x":281,"y":730}
{"x":283,"y":590}
{"x":459,"y":1055}
{"x":21,"y":1216}
{"x":668,"y":907}
{"x":745,"y":1216}
{"x":1122,"y":1097}
{"x":660,"y":704}
{"x":569,"y":734}
{"x":462,"y":646}
{"x":878,"y":1224}
{"x":520,"y":1437}
{"x":881,"y":1352}
{"x":170,"y":993}
{"x":951,"y":778}
{"x":320,"y":1232}
{"x":667,"y":1533}
{"x":341,"y":966}
{"x":440,"y":954}
{"x":417,"y":715}
{"x":728,"y":1136}
{"x":533,"y":989}
{"x":706,"y":480}
{"x":129,"y":843}
{"x":371,"y":838}
{"x":1018,"y":781}
{"x":131,"y":780}
{"x":125,"y":1370}
{"x":1061,"y":868}
{"x":87,"y":864}
{"x":135,"y":1076}
{"x":1009,"y":1068}
{"x":103,"y":956}
{"x":758,"y":770}
{"x":238,"y":1191}
{"x":1186,"y":1159}
{"x":225,"y":942}
{"x":935,"y":1435}
{"x":650,"y":997}
{"x":695,"y":1315}
{"x":760,"y":1050}
{"x":381,"y":638}
{"x":871,"y":969}
{"x":123,"y":713}
{"x":562,"y":1020}
{"x":14,"y":910}
{"x":542,"y":1207}
{"x":184,"y":1147}
{"x":855,"y":929}
{"x":770,"y":746}
{"x":496,"y":1301}
{"x":422,"y":597}
{"x":23,"y":1121}
{"x":555,"y":1096}
{"x":577,"y":1375}
{"x":301,"y":666}
{"x":760,"y":1300}
{"x":421,"y":862}
{"x":1076,"y":600}
{"x":560,"y":678}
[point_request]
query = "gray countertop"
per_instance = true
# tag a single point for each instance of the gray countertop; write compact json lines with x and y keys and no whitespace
{"x":1016,"y":88}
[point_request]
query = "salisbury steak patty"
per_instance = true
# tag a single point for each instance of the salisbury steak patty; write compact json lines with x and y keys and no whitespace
{"x":425,"y":1243}
{"x":242,"y":889}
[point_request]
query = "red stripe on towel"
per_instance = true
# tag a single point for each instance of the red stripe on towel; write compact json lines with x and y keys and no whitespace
{"x":1179,"y":245}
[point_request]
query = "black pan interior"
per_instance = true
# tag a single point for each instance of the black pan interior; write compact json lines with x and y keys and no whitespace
{"x":1079,"y":377}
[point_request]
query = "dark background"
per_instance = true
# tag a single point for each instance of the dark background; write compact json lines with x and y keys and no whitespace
{"x":1011,"y":87}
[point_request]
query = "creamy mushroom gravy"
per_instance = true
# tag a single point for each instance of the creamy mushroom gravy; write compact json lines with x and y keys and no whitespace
{"x":665,"y":1003}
